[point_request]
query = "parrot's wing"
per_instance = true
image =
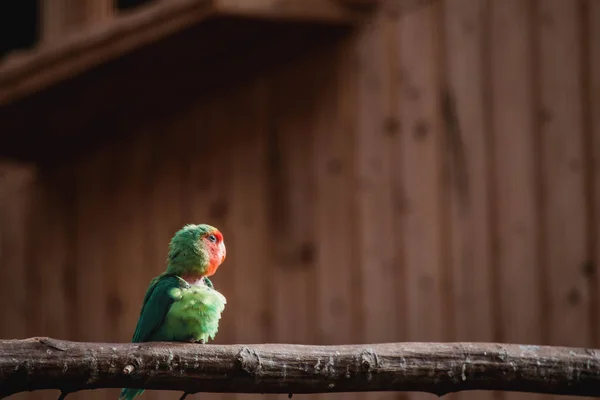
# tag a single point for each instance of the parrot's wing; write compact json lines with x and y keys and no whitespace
{"x":157,"y":303}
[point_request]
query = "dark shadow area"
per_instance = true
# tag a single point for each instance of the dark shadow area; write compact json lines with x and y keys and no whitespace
{"x":19,"y":21}
{"x":151,"y":82}
{"x":130,"y":4}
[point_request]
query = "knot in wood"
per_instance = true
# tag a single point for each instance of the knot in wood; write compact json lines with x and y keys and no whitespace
{"x":369,"y":362}
{"x":249,"y":361}
{"x":129,"y":368}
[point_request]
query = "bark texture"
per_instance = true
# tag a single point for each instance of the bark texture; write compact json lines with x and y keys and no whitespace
{"x":439,"y":368}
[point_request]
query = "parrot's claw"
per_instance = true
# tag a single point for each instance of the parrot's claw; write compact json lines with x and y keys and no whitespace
{"x":201,"y":341}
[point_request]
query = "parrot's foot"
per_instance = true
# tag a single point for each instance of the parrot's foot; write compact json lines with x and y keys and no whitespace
{"x":201,"y":341}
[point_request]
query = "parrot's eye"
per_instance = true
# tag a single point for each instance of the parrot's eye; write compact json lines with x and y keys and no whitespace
{"x":212,"y":238}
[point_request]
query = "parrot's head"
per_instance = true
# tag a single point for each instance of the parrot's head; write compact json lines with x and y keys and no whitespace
{"x":196,"y":251}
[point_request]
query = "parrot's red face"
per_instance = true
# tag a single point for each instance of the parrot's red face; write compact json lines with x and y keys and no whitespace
{"x":215,"y":245}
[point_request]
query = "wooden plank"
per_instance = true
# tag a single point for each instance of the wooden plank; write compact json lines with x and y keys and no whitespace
{"x":52,"y":12}
{"x":418,"y":174}
{"x":562,"y":125}
{"x":337,"y":274}
{"x":249,"y":263}
{"x":466,"y":122}
{"x":515,"y":177}
{"x":337,"y":284}
{"x":418,"y":171}
{"x":515,"y":195}
{"x":467,"y":144}
{"x":330,"y":11}
{"x":64,"y":18}
{"x":53,"y":252}
{"x":125,"y":268}
{"x":17,"y":282}
{"x":17,"y":198}
{"x":37,"y":223}
{"x":291,"y":207}
{"x":100,"y":11}
{"x":463,"y":102}
{"x":382,"y":309}
{"x":247,"y":140}
{"x":90,"y":248}
{"x":593,"y":24}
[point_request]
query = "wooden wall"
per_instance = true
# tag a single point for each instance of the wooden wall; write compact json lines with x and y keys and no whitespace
{"x":433,"y":177}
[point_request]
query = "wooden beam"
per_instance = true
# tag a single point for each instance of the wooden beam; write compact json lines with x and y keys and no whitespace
{"x":23,"y":74}
{"x":61,"y":18}
{"x":309,"y":10}
{"x":438,"y":368}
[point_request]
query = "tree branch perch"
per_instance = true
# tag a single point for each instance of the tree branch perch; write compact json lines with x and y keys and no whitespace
{"x":439,"y":368}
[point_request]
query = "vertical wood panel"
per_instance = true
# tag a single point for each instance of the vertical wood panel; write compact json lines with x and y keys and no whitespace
{"x":90,"y":246}
{"x":419,"y":150}
{"x":515,"y":195}
{"x":291,"y":199}
{"x":127,"y":268}
{"x":51,"y":12}
{"x":334,"y":222}
{"x":515,"y":191}
{"x":561,"y":114}
{"x":51,"y":257}
{"x":99,"y":11}
{"x":250,"y":235}
{"x":593,"y":24}
{"x":17,"y":197}
{"x":248,"y":210}
{"x":125,"y":271}
{"x":17,"y":193}
{"x":379,"y":258}
{"x":291,"y":205}
{"x":382,"y":287}
{"x":515,"y":172}
{"x":467,"y":135}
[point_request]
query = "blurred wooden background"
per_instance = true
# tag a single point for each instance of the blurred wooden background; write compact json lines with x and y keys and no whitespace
{"x":429,"y":176}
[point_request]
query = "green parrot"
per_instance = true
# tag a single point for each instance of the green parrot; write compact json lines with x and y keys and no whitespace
{"x":181,"y":304}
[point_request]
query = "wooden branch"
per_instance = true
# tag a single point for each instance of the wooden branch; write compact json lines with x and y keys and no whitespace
{"x":439,"y":368}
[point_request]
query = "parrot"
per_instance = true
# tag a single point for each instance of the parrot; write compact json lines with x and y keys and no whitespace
{"x":181,"y":304}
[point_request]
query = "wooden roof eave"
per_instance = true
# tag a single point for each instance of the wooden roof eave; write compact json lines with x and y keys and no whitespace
{"x":27,"y":73}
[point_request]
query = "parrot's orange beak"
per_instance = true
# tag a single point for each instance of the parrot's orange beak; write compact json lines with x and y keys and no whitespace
{"x":223,"y":252}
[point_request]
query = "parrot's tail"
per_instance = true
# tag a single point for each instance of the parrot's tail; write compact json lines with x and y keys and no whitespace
{"x":129,"y":394}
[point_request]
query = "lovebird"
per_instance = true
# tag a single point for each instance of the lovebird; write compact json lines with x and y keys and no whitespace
{"x":181,"y":304}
